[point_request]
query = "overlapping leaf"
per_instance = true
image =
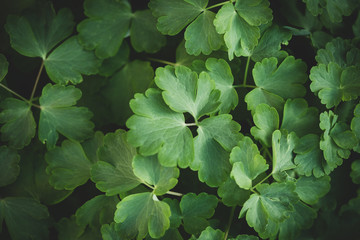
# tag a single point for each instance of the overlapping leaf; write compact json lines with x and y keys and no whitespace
{"x":355,"y":126}
{"x":247,"y":163}
{"x":311,"y":189}
{"x":19,"y":124}
{"x":4,"y":65}
{"x":58,"y":115}
{"x":9,"y":166}
{"x":113,"y":174}
{"x":231,"y":194}
{"x":355,"y":172}
{"x":210,"y":233}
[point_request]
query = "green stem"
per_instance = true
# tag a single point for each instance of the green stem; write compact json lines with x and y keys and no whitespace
{"x":245,"y":86}
{"x":252,"y":189}
{"x":217,"y":5}
{"x":246,"y":70}
{"x":229,"y":223}
{"x":168,"y":192}
{"x":190,"y":124}
{"x":18,"y":95}
{"x":163,"y":61}
{"x":36,"y":81}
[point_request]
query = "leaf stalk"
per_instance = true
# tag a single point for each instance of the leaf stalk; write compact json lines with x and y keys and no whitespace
{"x":36,"y":81}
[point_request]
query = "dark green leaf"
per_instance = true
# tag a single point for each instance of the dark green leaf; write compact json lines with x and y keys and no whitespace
{"x":9,"y":166}
{"x":231,"y":194}
{"x":355,"y":171}
{"x":4,"y":65}
{"x":111,"y":65}
{"x":311,"y":189}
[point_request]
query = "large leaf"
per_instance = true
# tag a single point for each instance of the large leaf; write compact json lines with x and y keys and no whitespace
{"x":19,"y":124}
{"x":140,"y":214}
{"x":36,"y":33}
{"x":311,"y":189}
{"x":106,"y":26}
{"x":157,"y":129}
{"x":59,"y":115}
{"x":113,"y":174}
{"x":9,"y":165}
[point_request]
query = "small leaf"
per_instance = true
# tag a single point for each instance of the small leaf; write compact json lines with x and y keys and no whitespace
{"x":9,"y":166}
{"x":266,"y":120}
{"x":210,"y":233}
{"x":140,"y":214}
{"x":4,"y":65}
{"x":68,"y":61}
{"x":59,"y":115}
{"x":231,"y":194}
{"x":19,"y":124}
{"x":196,"y":209}
{"x":259,"y":96}
{"x":311,"y":189}
{"x":247,"y":163}
{"x":283,"y":144}
{"x":113,"y":174}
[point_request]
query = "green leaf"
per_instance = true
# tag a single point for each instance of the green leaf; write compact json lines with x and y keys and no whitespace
{"x":247,"y":163}
{"x":285,"y":80}
{"x":313,"y":6}
{"x":113,"y":174}
{"x":266,"y":120}
{"x":336,"y":9}
{"x":211,"y":234}
{"x":134,"y":77}
{"x":299,"y":118}
{"x":9,"y":166}
{"x":108,"y":232}
{"x":151,"y":172}
{"x":184,"y":91}
{"x":36,"y":33}
{"x":258,"y":96}
{"x":111,"y":65}
{"x":25,"y":218}
{"x":335,"y":84}
{"x":356,"y":26}
{"x":270,"y":44}
{"x":244,"y":237}
{"x":309,"y":158}
{"x":97,"y":211}
{"x":4,"y":65}
{"x":220,"y":71}
{"x":59,"y":115}
{"x":106,"y":26}
{"x":254,"y":13}
{"x":140,"y":214}
{"x":196,"y":209}
{"x":19,"y":124}
{"x":283,"y":144}
{"x":311,"y":189}
{"x":69,"y":230}
{"x":216,"y":137}
{"x":174,"y":15}
{"x":355,"y":171}
{"x":176,"y":217}
{"x":91,"y":146}
{"x":144,"y":35}
{"x":231,"y":194}
{"x":201,"y":36}
{"x":274,"y":203}
{"x":68,"y":166}
{"x":68,"y":61}
{"x":355,"y":126}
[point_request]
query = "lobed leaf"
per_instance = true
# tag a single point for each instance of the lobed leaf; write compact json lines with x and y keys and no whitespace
{"x":231,"y":194}
{"x":210,"y":233}
{"x":9,"y":166}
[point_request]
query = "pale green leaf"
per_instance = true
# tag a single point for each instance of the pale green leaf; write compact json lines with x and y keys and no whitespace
{"x":259,"y":96}
{"x":211,"y":234}
{"x":283,"y":144}
{"x":9,"y":166}
{"x":231,"y":194}
{"x":4,"y":65}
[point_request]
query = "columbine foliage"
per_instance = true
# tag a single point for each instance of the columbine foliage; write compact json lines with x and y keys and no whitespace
{"x":257,"y":122}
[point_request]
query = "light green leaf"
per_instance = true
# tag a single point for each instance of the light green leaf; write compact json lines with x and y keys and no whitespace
{"x":266,"y":120}
{"x":156,"y":129}
{"x":144,"y":35}
{"x":355,"y":171}
{"x":113,"y":174}
{"x":36,"y":33}
{"x":254,"y":13}
{"x":283,"y":144}
{"x":25,"y":218}
{"x":285,"y":80}
{"x":299,"y":118}
{"x":9,"y":166}
{"x":97,"y":211}
{"x":355,"y":126}
{"x":201,"y":36}
{"x":196,"y":209}
{"x":211,"y":234}
{"x":231,"y":194}
{"x":311,"y":189}
{"x":270,"y":44}
{"x":4,"y":65}
{"x":335,"y":84}
{"x":259,"y":96}
{"x":309,"y":158}
{"x":184,"y":91}
{"x":68,"y":166}
{"x":68,"y":61}
{"x":59,"y":115}
{"x":106,"y":26}
{"x":247,"y":163}
{"x":273,"y":204}
{"x":174,"y":15}
{"x":216,"y":137}
{"x":140,"y":214}
{"x":19,"y":124}
{"x":151,"y":172}
{"x":220,"y":71}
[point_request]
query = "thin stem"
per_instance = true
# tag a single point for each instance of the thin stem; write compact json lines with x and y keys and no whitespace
{"x":245,"y":86}
{"x":163,"y":61}
{"x":229,"y":223}
{"x":261,"y":182}
{"x":15,"y":93}
{"x":190,"y":124}
{"x":217,"y":5}
{"x":246,"y":70}
{"x":36,"y":81}
{"x":174,"y":193}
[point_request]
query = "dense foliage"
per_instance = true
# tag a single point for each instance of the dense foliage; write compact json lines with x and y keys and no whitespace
{"x":180,"y":119}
